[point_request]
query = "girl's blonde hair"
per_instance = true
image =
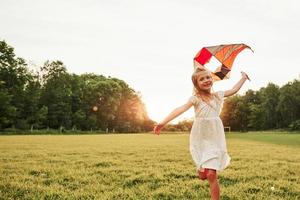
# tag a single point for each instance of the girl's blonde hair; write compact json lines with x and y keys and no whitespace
{"x":197,"y":90}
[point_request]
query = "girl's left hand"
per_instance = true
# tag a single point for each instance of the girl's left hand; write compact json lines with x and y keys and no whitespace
{"x":245,"y":76}
{"x":157,"y":128}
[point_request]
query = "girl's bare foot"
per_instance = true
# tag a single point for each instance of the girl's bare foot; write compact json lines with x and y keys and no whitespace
{"x":202,"y":173}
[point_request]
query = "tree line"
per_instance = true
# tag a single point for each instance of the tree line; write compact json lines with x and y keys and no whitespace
{"x":52,"y":98}
{"x":271,"y":107}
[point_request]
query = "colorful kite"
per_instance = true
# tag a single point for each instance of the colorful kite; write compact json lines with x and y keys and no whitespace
{"x":223,"y":53}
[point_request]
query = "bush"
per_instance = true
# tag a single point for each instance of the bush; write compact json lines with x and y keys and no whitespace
{"x":295,"y":126}
{"x":22,"y":124}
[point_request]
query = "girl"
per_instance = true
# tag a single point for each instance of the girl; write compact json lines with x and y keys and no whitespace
{"x":207,"y":138}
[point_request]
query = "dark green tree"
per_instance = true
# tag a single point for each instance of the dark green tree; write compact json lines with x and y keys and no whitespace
{"x":14,"y":79}
{"x":289,"y":103}
{"x":269,"y":102}
{"x":56,"y":94}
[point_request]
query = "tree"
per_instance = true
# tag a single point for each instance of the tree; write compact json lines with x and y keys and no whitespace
{"x":230,"y":114}
{"x":289,"y":103}
{"x":14,"y":77}
{"x":56,"y":94}
{"x":7,"y":110}
{"x":269,"y":102}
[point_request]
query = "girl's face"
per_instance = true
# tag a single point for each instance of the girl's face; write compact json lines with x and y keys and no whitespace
{"x":205,"y":81}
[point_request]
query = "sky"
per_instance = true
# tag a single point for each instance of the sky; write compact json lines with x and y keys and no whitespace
{"x":151,"y":44}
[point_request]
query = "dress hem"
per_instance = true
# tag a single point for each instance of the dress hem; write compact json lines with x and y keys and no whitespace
{"x":224,"y":163}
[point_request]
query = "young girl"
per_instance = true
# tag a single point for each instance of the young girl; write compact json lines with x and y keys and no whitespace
{"x":207,"y":138}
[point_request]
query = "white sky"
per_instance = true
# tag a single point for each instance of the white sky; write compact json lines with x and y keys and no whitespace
{"x":151,"y":44}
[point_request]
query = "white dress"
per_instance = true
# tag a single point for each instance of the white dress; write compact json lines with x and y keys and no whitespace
{"x":207,"y":138}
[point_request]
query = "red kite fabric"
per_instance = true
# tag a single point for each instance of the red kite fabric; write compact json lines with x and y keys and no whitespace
{"x":223,"y":53}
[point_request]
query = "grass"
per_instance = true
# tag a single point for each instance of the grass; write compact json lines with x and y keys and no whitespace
{"x":282,"y":138}
{"x":144,"y":166}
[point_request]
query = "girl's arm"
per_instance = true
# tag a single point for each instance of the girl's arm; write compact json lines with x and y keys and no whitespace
{"x":237,"y":86}
{"x":175,"y":113}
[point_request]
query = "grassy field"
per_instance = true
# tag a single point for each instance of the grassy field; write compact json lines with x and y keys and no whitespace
{"x":144,"y":166}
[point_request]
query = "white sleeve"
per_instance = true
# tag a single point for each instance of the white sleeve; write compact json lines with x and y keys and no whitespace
{"x":193,"y":99}
{"x":221,"y":94}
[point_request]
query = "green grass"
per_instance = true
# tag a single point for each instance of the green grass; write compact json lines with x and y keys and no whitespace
{"x":282,"y":138}
{"x":144,"y":166}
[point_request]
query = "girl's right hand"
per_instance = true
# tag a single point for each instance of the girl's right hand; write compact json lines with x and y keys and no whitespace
{"x":245,"y":76}
{"x":157,"y":128}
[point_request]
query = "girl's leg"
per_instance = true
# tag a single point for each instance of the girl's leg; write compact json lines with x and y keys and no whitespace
{"x":213,"y":184}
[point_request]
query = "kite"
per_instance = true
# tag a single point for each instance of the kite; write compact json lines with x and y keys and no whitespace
{"x":224,"y":54}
